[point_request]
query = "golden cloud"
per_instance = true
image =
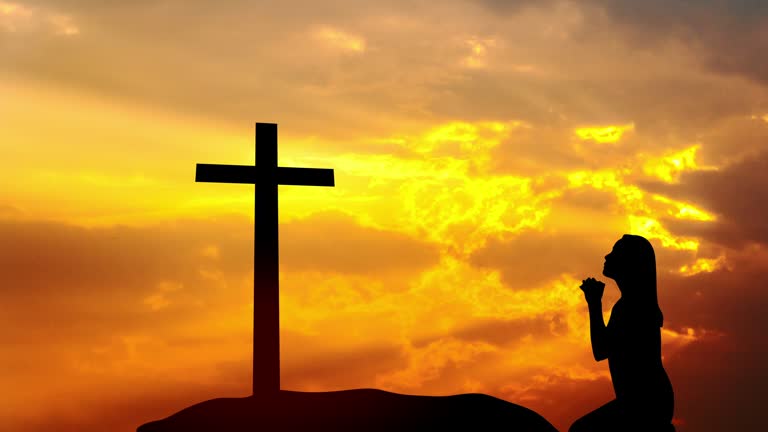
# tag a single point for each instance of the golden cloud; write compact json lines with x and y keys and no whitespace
{"x":703,"y":265}
{"x":440,"y":191}
{"x":340,"y":39}
{"x":686,"y":211}
{"x":651,"y":228}
{"x":641,"y":217}
{"x":604,"y":134}
{"x":671,"y":165}
{"x":18,"y":18}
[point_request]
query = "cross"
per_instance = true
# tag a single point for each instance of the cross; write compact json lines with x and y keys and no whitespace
{"x":266,"y":175}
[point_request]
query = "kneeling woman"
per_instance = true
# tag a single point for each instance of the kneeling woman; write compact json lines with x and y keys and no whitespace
{"x":631,"y":342}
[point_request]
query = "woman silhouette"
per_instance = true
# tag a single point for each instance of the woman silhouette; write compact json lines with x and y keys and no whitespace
{"x":631,"y":342}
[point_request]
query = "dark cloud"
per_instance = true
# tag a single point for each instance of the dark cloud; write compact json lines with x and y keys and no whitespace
{"x":728,"y":35}
{"x":718,"y":386}
{"x":728,"y":300}
{"x":733,"y":138}
{"x":730,"y":359}
{"x":736,"y":193}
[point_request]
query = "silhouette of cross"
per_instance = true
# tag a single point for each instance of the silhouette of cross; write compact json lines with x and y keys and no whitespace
{"x":266,"y":175}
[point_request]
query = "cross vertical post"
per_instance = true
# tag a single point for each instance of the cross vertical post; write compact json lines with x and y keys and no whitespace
{"x":266,"y":175}
{"x":266,"y":268}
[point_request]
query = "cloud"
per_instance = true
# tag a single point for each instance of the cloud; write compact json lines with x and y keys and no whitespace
{"x":712,"y":346}
{"x":704,"y":371}
{"x":727,"y":360}
{"x":427,"y":363}
{"x":124,"y":303}
{"x":479,"y":48}
{"x":311,"y":365}
{"x":471,"y":355}
{"x":604,"y":134}
{"x":411,"y":68}
{"x":340,"y":39}
{"x":500,"y":333}
{"x":18,"y":19}
{"x":726,"y":34}
{"x":285,"y":67}
{"x":79,"y":257}
{"x":735,"y":193}
{"x":78,"y":260}
{"x":8,"y":211}
{"x":532,"y":258}
{"x":139,"y":402}
{"x":333,"y":241}
{"x":149,"y":275}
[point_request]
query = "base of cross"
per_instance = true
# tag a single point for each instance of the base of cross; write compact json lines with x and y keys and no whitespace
{"x":352,"y":410}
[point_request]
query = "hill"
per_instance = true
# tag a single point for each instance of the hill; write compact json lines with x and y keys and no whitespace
{"x":352,"y":410}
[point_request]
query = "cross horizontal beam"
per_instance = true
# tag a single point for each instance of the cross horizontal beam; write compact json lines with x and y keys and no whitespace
{"x":248,"y":174}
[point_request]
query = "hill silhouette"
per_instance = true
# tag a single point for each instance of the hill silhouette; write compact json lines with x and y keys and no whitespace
{"x":352,"y":410}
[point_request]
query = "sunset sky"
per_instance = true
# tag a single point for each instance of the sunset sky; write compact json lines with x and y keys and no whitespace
{"x":487,"y":155}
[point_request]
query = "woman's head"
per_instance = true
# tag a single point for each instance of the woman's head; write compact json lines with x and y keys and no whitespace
{"x":632,"y":259}
{"x":632,"y":264}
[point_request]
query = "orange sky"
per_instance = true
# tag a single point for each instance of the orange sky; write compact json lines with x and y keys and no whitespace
{"x":487,"y":155}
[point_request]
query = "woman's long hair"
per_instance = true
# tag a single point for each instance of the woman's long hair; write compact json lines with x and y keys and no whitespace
{"x":642,"y":267}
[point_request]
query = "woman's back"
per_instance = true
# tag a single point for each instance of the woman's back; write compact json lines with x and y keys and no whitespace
{"x":639,"y":379}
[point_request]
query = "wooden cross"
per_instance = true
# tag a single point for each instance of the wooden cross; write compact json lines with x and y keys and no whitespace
{"x":266,"y":175}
